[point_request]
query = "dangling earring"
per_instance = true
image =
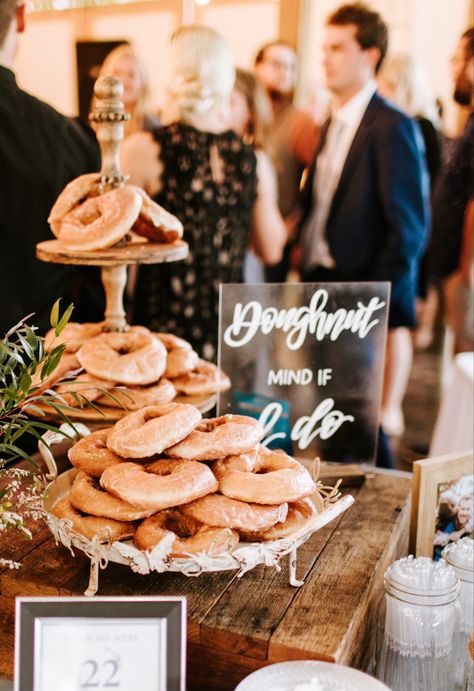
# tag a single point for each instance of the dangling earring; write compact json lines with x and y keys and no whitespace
{"x":249,"y":136}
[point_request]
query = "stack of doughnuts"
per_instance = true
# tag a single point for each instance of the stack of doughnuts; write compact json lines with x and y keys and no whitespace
{"x":130,"y":370}
{"x":85,"y":217}
{"x":207,"y":483}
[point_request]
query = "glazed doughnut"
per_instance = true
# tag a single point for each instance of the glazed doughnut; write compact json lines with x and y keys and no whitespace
{"x":154,"y":222}
{"x":181,"y":358}
{"x":92,"y":526}
{"x":151,"y":430}
{"x":159,"y":485}
{"x":133,"y":357}
{"x":100,"y":221}
{"x":190,"y":536}
{"x":86,"y":387}
{"x":67,"y":364}
{"x":72,"y":195}
{"x":218,"y":437}
{"x":73,"y":335}
{"x":87,"y":496}
{"x":137,"y":397}
{"x":221,"y":512}
{"x":300,"y":514}
{"x":263,"y":476}
{"x":91,"y":454}
{"x":205,"y":379}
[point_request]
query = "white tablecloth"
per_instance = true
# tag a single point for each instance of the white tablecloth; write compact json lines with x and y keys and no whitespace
{"x":454,"y":428}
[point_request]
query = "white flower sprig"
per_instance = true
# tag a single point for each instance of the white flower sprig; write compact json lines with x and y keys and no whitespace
{"x":19,"y":501}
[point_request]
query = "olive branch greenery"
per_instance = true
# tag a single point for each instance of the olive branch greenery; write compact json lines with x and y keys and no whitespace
{"x":22,"y":356}
{"x":24,"y":367}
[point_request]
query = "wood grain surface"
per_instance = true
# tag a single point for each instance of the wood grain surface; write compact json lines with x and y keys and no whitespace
{"x":236,"y":625}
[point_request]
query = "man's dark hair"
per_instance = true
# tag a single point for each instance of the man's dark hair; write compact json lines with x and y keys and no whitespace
{"x":7,"y":10}
{"x":371,"y":30}
{"x":260,"y":57}
{"x":468,"y":36}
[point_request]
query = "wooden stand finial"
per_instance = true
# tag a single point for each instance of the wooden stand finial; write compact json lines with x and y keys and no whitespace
{"x":109,"y":116}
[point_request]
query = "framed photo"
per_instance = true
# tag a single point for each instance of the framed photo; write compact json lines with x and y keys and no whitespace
{"x":442,"y":503}
{"x":124,"y":643}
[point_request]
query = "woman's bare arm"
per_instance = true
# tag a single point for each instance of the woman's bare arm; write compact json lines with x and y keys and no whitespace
{"x":269,"y":233}
{"x":140,"y":160}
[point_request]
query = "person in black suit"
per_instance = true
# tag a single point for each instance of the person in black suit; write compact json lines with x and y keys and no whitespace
{"x":41,"y":151}
{"x":366,"y":201}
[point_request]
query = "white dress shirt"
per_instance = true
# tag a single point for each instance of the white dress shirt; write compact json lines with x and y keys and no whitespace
{"x":345,"y":122}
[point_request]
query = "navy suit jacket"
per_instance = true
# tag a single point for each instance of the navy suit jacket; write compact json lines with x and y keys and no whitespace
{"x":379,"y":219}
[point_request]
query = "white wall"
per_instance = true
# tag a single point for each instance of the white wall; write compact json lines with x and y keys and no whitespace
{"x":45,"y":64}
{"x":246,"y":26}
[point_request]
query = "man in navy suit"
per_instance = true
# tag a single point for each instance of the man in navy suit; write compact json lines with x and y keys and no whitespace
{"x":366,"y":201}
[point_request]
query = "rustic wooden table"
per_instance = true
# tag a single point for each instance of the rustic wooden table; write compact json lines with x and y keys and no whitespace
{"x":237,"y":625}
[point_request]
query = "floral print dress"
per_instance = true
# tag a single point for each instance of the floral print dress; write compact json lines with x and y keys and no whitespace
{"x":183,"y":297}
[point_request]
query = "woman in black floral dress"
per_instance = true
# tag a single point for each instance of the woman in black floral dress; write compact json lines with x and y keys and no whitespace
{"x":204,"y":174}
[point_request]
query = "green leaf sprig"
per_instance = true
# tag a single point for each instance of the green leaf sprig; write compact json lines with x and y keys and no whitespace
{"x":24,"y":366}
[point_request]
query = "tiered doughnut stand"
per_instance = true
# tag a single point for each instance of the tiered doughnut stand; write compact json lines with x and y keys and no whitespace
{"x":109,"y":117}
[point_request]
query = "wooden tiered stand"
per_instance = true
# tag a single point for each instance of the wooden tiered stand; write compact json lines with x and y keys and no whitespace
{"x":108,"y":117}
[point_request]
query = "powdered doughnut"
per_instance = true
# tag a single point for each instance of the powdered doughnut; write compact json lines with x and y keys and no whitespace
{"x":218,"y":437}
{"x":151,"y":430}
{"x":205,"y":379}
{"x":91,"y":454}
{"x":104,"y":529}
{"x":181,"y":358}
{"x":138,"y":397}
{"x":159,"y":485}
{"x":300,"y":514}
{"x":100,"y":221}
{"x":87,"y":496}
{"x":76,"y":191}
{"x":68,"y":363}
{"x":263,"y":476}
{"x":154,"y":222}
{"x":190,"y":536}
{"x":133,"y":357}
{"x":222,"y":512}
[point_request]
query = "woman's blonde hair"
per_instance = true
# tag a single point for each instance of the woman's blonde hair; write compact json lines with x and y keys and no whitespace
{"x":259,"y":105}
{"x":202,"y":73}
{"x":411,"y":89}
{"x":138,"y":111}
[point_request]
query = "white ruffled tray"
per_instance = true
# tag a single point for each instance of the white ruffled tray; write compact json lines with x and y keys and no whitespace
{"x":101,"y":551}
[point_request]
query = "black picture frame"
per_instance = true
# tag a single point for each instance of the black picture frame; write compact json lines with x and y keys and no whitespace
{"x":33,"y":611}
{"x":89,"y":58}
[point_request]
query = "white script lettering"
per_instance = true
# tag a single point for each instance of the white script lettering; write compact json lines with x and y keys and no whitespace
{"x":305,"y":429}
{"x":297,"y":322}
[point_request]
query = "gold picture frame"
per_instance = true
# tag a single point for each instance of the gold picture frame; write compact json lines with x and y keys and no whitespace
{"x":430,"y":477}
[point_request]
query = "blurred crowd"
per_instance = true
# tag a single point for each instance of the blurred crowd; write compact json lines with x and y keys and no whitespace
{"x":362,"y":185}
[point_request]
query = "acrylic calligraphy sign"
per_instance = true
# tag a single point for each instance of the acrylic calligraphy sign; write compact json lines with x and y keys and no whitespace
{"x":307,"y":360}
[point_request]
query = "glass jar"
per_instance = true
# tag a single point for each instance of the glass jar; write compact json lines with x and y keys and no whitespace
{"x":421,"y":617}
{"x":460,"y":555}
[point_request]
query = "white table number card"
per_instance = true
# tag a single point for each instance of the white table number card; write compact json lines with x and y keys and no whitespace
{"x":99,"y":654}
{"x":307,"y":360}
{"x":76,"y":644}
